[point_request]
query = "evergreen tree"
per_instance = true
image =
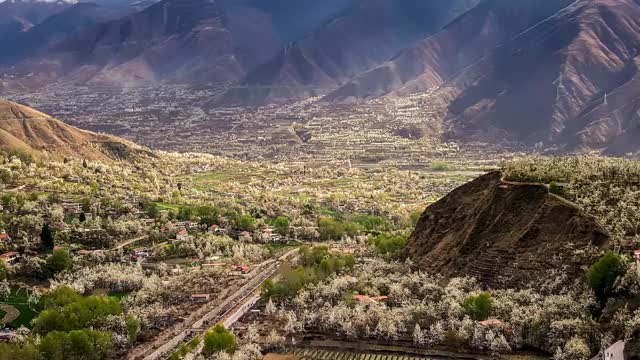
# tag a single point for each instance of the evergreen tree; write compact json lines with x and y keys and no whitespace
{"x":46,"y":236}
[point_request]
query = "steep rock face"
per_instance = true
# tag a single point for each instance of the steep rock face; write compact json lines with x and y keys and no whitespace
{"x":363,"y":36}
{"x":25,"y":129}
{"x":504,"y":234}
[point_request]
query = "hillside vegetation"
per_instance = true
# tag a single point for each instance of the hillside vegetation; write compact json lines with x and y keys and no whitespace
{"x":607,"y":188}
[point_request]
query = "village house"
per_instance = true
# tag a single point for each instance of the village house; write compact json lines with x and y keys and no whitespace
{"x":139,"y":254}
{"x":614,"y":352}
{"x":7,"y":335}
{"x":10,"y":257}
{"x":243,"y":269}
{"x":182,"y":235}
{"x":4,"y":237}
{"x":215,"y":229}
{"x":72,"y":208}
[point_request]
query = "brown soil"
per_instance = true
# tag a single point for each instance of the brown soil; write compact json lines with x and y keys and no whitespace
{"x":504,"y":234}
{"x":28,"y":130}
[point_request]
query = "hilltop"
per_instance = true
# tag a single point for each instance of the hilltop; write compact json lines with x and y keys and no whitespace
{"x":28,"y":130}
{"x":505,"y":233}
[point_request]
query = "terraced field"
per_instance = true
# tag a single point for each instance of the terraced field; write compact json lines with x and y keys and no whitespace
{"x":313,"y":354}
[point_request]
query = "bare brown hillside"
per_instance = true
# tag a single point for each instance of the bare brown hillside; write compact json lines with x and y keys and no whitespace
{"x":504,"y":234}
{"x":25,"y":129}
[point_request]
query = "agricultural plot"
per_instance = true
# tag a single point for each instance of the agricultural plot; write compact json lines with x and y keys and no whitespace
{"x":313,"y":354}
{"x":15,"y":310}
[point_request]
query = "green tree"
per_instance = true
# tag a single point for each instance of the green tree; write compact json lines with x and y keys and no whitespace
{"x":76,"y":345}
{"x":246,"y":223}
{"x":218,"y":339}
{"x":26,"y":351}
{"x":152,"y":209}
{"x":58,"y":262}
{"x":4,"y":270}
{"x":603,"y":274}
{"x":281,"y":224}
{"x":46,"y":236}
{"x":390,"y":244}
{"x":478,"y":307}
{"x":74,"y":314}
{"x":330,"y":229}
{"x":415,"y":217}
{"x":60,"y":296}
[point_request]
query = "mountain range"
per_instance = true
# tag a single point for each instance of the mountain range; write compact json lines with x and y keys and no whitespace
{"x":558,"y":74}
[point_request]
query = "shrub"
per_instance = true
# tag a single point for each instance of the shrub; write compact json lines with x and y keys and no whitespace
{"x":218,"y":339}
{"x":281,"y":224}
{"x":440,"y":166}
{"x":554,"y":188}
{"x":478,"y":307}
{"x":246,"y":223}
{"x":390,"y":244}
{"x":58,"y":262}
{"x":603,"y":274}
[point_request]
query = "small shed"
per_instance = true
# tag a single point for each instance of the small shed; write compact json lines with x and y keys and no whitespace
{"x":200,"y":297}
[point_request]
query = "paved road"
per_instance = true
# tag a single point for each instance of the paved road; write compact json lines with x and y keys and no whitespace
{"x":228,"y":311}
{"x":130,"y":241}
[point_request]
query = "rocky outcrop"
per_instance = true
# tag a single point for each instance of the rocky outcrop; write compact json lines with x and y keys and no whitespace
{"x":504,"y":234}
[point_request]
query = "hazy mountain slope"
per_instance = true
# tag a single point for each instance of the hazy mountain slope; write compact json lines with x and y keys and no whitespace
{"x":56,"y":27}
{"x":293,"y":19}
{"x":176,"y":40}
{"x":526,"y":72}
{"x":435,"y":59}
{"x":363,"y":36}
{"x":25,"y":129}
{"x":549,"y":84}
{"x":21,"y":15}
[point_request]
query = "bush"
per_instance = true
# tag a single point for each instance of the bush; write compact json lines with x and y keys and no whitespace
{"x":77,"y":344}
{"x":390,"y":244}
{"x":68,"y":311}
{"x":246,"y":223}
{"x":58,"y":262}
{"x":218,"y":339}
{"x":281,"y":225}
{"x":478,"y":307}
{"x":440,"y":166}
{"x":603,"y":274}
{"x":331,"y":229}
{"x":554,"y":188}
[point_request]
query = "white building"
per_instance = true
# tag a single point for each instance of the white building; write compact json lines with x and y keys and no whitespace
{"x":613,"y":352}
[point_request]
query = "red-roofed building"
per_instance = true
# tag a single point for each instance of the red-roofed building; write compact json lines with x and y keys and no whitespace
{"x":243,"y":269}
{"x":182,"y":235}
{"x":10,"y":257}
{"x":4,"y":237}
